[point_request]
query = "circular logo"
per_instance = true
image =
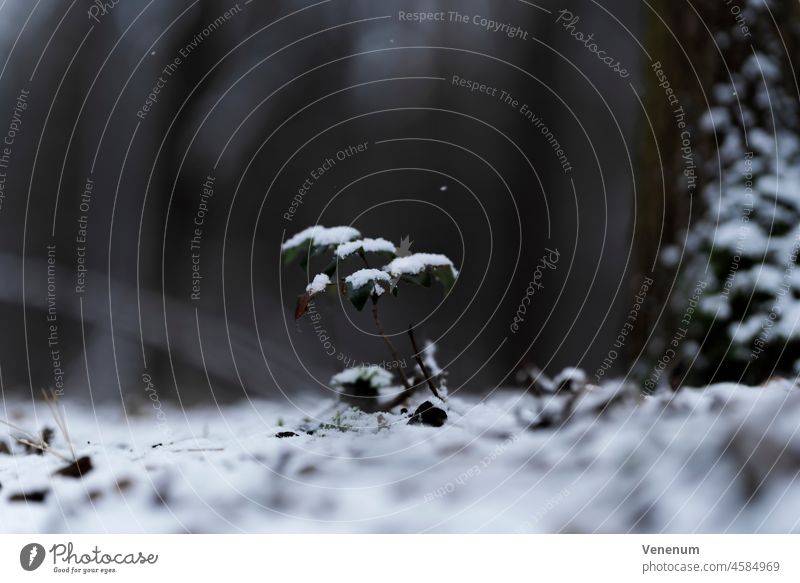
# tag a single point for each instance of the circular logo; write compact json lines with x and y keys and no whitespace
{"x":31,"y":556}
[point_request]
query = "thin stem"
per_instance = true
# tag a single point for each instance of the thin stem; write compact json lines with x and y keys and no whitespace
{"x":18,"y":428}
{"x":389,"y":344}
{"x":379,"y":327}
{"x":54,"y":405}
{"x":421,"y":363}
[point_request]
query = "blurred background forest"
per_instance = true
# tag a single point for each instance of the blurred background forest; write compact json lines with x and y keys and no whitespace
{"x":682,"y":173}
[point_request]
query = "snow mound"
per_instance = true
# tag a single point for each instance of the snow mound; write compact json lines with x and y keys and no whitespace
{"x":600,"y":459}
{"x":364,"y":277}
{"x":319,"y":283}
{"x":417,"y":263}
{"x":377,"y":376}
{"x":321,"y":236}
{"x":367,"y":245}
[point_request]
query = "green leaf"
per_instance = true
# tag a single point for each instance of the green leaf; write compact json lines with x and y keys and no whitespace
{"x":359,"y":296}
{"x":422,"y":269}
{"x":331,"y":268}
{"x":291,"y":255}
{"x":444,"y":275}
{"x":366,"y":280}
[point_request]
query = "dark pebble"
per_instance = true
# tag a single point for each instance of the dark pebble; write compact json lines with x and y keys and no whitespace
{"x":76,"y":469}
{"x":32,"y":496}
{"x":427,"y":414}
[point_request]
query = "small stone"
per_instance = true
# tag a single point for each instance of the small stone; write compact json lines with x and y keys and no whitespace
{"x":32,"y":496}
{"x":427,"y":414}
{"x":76,"y":469}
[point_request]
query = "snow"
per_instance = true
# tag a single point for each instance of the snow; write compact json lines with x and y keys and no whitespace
{"x":759,"y":64}
{"x":319,"y":283}
{"x":429,"y":358}
{"x":417,"y":263}
{"x":378,"y":377}
{"x":721,"y":459}
{"x":321,"y":236}
{"x":366,"y":245}
{"x":364,"y":277}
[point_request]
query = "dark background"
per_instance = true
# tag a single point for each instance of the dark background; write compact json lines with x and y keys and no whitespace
{"x":280,"y":98}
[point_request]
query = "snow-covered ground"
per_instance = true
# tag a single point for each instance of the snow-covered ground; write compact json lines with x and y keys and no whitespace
{"x":725,"y":458}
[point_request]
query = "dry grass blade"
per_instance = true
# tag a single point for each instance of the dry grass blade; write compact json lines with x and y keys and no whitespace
{"x":18,"y":428}
{"x":43,"y":446}
{"x":40,"y":442}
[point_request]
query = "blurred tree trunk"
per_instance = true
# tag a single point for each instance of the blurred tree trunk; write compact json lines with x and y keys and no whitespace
{"x":679,"y":42}
{"x":704,"y":52}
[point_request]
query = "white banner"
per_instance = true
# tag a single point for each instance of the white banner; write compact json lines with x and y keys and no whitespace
{"x":388,"y":558}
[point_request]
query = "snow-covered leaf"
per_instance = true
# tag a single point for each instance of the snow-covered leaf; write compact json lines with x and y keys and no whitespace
{"x":376,"y":376}
{"x":422,"y":268}
{"x":315,"y":241}
{"x":367,"y":245}
{"x":318,"y":285}
{"x":365,"y":283}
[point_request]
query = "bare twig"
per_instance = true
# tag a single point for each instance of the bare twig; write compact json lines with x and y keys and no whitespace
{"x":44,"y":447}
{"x":39,"y":442}
{"x":18,"y":428}
{"x":421,"y":363}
